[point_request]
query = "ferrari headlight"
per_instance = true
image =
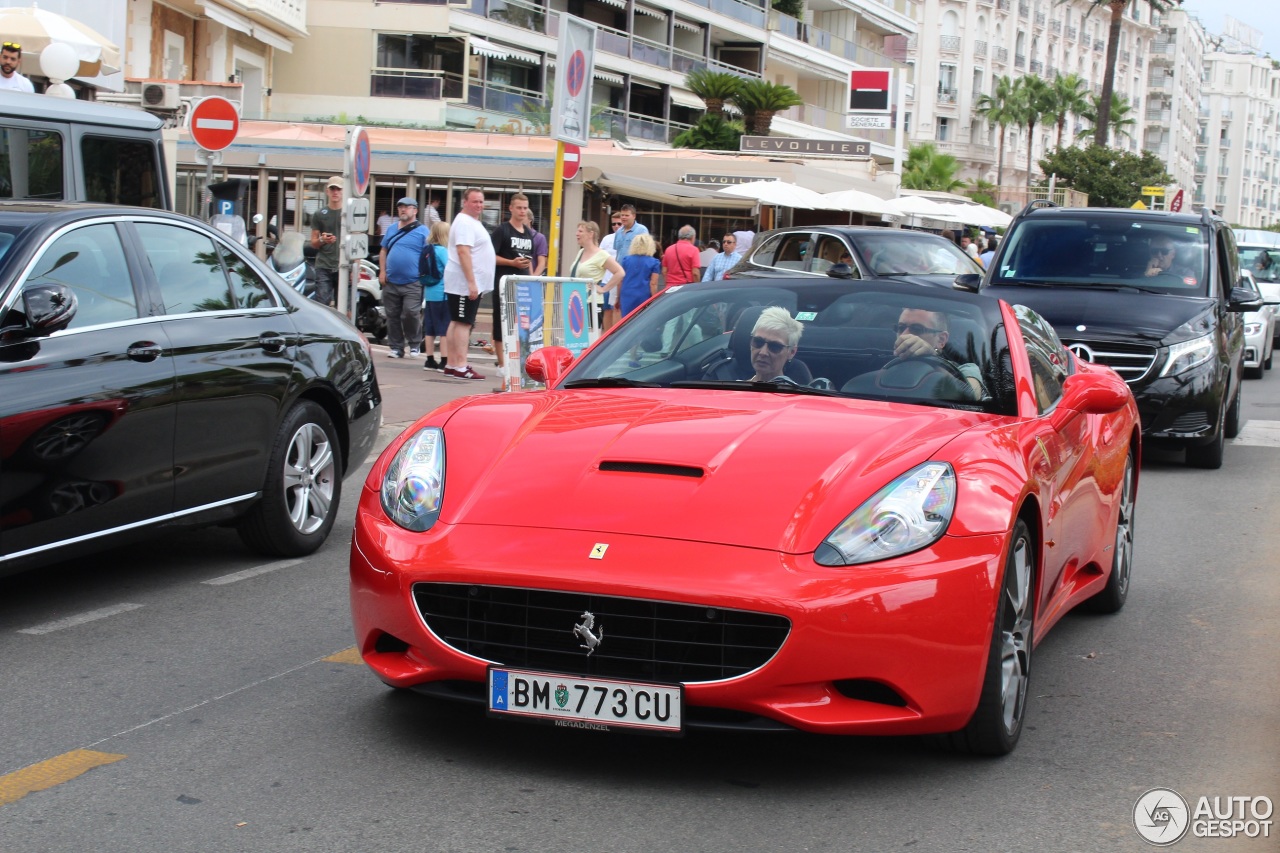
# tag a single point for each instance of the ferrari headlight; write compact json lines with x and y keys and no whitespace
{"x":1188,"y":354}
{"x":413,"y":488}
{"x":910,"y":513}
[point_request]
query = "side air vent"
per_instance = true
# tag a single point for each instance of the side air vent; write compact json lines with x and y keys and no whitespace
{"x":653,"y":468}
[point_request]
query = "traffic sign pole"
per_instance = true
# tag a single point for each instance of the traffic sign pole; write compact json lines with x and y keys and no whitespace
{"x":557,"y":202}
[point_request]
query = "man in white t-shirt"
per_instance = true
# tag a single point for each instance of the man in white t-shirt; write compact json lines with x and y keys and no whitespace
{"x":10,"y":59}
{"x":467,"y":277}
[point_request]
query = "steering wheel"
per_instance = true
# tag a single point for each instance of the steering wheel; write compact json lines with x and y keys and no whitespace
{"x":942,"y":365}
{"x":783,"y":379}
{"x":950,"y":383}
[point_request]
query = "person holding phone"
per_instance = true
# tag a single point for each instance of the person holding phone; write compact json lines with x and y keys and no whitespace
{"x":326,"y":225}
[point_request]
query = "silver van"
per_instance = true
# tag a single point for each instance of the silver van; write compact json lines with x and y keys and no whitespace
{"x":55,"y":149}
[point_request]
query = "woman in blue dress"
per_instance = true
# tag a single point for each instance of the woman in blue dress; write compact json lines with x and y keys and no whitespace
{"x":641,"y":271}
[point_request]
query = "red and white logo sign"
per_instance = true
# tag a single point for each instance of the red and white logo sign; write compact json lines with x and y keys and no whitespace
{"x":869,"y":91}
{"x":1176,"y":204}
{"x":572,"y":161}
{"x":214,"y":123}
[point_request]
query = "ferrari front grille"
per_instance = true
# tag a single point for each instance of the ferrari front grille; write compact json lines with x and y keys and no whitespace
{"x":1131,"y":361}
{"x":637,"y":638}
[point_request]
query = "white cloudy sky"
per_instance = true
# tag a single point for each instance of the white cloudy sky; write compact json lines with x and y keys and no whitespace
{"x":1262,"y":15}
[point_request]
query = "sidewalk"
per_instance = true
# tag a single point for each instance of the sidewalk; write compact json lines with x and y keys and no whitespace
{"x":409,"y":392}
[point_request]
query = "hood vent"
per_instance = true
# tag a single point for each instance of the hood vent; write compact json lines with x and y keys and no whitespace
{"x":653,"y":468}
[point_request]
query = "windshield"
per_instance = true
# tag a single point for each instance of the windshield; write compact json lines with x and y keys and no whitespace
{"x":1106,"y":252}
{"x":814,"y":338}
{"x":1264,"y":263}
{"x":913,"y":253}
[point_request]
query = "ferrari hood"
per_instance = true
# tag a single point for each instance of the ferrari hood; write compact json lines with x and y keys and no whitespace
{"x":761,"y":470}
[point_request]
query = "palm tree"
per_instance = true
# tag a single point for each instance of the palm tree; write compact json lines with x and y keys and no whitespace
{"x":983,"y":192}
{"x":928,"y":169}
{"x":1117,"y":7}
{"x":711,"y":133}
{"x":1120,"y":116}
{"x":713,"y":87}
{"x":998,"y":109}
{"x":760,"y":100}
{"x":1033,"y":100}
{"x":1070,"y":95}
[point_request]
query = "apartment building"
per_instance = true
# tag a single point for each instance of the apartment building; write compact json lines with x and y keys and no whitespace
{"x":1171,"y":120}
{"x":965,"y":45}
{"x":1238,"y":172}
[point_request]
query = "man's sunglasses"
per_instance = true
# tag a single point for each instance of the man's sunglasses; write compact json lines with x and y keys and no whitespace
{"x":916,"y":329}
{"x":775,"y":347}
{"x":11,"y":45}
{"x":1162,"y":250}
{"x":615,"y":224}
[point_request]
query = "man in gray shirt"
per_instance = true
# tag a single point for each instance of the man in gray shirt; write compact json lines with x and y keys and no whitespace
{"x":326,"y":224}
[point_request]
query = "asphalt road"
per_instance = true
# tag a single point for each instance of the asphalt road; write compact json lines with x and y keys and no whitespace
{"x":214,"y":705}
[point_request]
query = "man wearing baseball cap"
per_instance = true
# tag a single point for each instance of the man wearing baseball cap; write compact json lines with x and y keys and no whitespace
{"x":326,"y":224}
{"x":401,"y":285}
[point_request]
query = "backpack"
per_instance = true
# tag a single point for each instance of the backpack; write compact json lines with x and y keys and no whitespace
{"x":429,"y":266}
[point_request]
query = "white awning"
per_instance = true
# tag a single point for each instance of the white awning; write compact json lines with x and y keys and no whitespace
{"x":228,"y":18}
{"x":686,"y":195}
{"x":681,"y":98}
{"x":685,"y":25}
{"x":484,"y":47}
{"x":652,"y":13}
{"x":607,"y":77}
{"x":617,"y":4}
{"x":272,"y":38}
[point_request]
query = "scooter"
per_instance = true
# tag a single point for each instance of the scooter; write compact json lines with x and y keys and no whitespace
{"x":289,"y":260}
{"x":370,"y":316}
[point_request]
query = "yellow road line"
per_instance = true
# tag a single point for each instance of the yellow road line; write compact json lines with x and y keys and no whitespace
{"x":350,"y":655}
{"x":54,"y":771}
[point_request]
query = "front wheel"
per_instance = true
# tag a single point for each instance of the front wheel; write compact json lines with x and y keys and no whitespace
{"x":303,"y":486}
{"x":1112,"y":596}
{"x":997,"y":723}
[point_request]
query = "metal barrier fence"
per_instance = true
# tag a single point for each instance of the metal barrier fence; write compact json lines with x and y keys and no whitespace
{"x":540,"y":311}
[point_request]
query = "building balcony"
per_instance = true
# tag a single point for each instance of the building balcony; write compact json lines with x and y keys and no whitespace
{"x":1024,"y":9}
{"x":971,"y":151}
{"x":1003,"y":5}
{"x":1055,"y":26}
{"x":947,"y":95}
{"x":1001,"y":54}
{"x":949,"y":44}
{"x":1040,"y":19}
{"x":1037,"y":67}
{"x":1126,"y":56}
{"x":288,"y":15}
{"x":833,"y":44}
{"x":1019,"y":61}
{"x":1099,"y":46}
{"x":1072,"y":32}
{"x":980,"y":49}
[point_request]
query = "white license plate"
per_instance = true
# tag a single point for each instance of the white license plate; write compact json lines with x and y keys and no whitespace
{"x":588,"y":703}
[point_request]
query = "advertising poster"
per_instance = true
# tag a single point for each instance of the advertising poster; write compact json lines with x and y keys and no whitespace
{"x":529,"y":323}
{"x":574,"y":316}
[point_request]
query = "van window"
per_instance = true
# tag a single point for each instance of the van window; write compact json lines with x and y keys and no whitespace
{"x":120,"y":171}
{"x":30,"y":164}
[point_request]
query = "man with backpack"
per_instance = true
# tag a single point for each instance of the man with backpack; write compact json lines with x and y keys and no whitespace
{"x":400,"y":262}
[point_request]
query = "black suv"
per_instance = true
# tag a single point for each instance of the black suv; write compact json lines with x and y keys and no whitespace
{"x":1151,"y":294}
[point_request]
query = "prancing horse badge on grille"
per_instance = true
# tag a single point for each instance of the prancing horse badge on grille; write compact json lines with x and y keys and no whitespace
{"x":584,"y":631}
{"x":597,"y":550}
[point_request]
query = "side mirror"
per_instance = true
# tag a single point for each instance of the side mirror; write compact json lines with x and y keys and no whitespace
{"x":257,"y":217}
{"x":967,"y":281}
{"x":1242,"y":299}
{"x":548,"y":364}
{"x":1094,"y":393}
{"x":49,"y":307}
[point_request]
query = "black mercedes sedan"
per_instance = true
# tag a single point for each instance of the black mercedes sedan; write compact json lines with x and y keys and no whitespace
{"x":154,"y":374}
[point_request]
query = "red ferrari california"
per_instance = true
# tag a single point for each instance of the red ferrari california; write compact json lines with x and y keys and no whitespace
{"x":845,"y":508}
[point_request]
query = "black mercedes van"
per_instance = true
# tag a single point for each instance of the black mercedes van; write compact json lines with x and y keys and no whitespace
{"x":1151,"y":294}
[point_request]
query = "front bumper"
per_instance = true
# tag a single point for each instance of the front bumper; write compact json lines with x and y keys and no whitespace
{"x":896,"y":648}
{"x":1184,"y":409}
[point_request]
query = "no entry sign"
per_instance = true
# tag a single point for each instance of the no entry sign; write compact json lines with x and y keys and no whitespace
{"x":214,"y":123}
{"x":572,"y":160}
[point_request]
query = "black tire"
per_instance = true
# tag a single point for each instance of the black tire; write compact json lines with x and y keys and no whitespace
{"x":1208,"y":456}
{"x":302,"y":488}
{"x":1254,"y":372}
{"x":1112,"y":596}
{"x":1231,"y":422}
{"x":997,"y":723}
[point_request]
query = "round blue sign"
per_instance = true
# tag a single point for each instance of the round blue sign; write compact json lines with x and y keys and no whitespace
{"x":361,"y":161}
{"x":577,"y":315}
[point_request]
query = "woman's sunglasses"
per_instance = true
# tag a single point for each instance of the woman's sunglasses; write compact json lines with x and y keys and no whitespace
{"x":775,"y":347}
